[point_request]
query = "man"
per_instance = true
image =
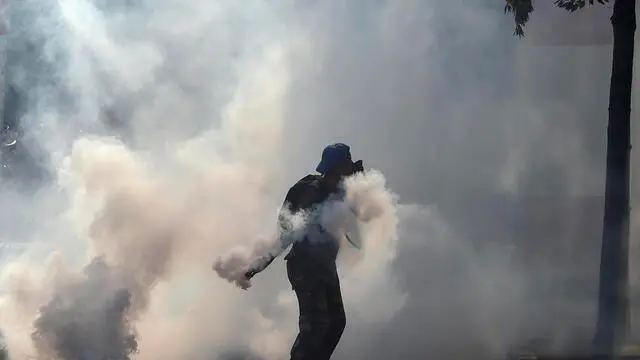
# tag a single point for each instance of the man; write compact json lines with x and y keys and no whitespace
{"x":311,"y":264}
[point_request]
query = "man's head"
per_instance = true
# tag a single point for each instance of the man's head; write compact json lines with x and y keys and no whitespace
{"x":336,"y":162}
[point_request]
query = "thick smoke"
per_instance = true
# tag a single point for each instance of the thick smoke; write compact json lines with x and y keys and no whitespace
{"x":234,"y":264}
{"x":88,"y":319}
{"x":366,"y":215}
{"x":171,"y":131}
{"x":183,"y":179}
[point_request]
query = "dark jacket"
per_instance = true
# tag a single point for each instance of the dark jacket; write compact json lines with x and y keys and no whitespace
{"x":307,"y":196}
{"x":311,"y":245}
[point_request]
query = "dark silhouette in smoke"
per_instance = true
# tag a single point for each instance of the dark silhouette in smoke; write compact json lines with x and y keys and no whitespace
{"x":88,"y":320}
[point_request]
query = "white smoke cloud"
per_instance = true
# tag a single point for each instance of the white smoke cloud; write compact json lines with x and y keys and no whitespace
{"x":233,"y":265}
{"x":197,"y":172}
{"x":367,"y":213}
{"x":173,"y":130}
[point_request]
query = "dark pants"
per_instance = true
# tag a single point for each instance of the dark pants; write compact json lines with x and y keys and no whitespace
{"x":322,"y":319}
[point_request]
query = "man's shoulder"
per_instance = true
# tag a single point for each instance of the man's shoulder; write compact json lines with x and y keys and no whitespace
{"x":307,"y":183}
{"x":306,"y":191}
{"x":309,"y":180}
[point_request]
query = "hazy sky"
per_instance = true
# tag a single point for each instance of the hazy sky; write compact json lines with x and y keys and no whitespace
{"x":232,"y":102}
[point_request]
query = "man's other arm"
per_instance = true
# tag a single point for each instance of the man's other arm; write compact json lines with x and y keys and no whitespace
{"x":290,"y":206}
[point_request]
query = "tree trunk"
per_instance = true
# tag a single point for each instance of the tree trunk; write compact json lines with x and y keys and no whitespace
{"x":613,"y":299}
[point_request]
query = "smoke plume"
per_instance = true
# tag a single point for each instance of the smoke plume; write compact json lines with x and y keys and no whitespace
{"x":367,"y":204}
{"x":169,"y":132}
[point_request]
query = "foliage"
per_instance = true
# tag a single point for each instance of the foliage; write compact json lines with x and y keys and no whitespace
{"x":522,"y":9}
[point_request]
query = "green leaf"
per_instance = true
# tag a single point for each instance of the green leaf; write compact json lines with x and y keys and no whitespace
{"x":522,"y":9}
{"x":573,"y":5}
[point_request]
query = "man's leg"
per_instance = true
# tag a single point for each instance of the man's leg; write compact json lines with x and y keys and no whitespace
{"x":314,"y":320}
{"x":337,"y":321}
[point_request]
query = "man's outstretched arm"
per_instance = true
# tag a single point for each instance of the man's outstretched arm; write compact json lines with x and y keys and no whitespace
{"x":285,"y":232}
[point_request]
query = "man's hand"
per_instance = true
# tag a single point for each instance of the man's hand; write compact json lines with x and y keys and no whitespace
{"x":256,"y":269}
{"x":358,"y":167}
{"x":245,"y":282}
{"x":250,"y":274}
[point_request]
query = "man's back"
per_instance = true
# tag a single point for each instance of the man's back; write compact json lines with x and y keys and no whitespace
{"x":308,"y":195}
{"x":311,"y":263}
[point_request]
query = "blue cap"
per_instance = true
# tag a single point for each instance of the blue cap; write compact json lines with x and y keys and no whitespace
{"x":333,"y":155}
